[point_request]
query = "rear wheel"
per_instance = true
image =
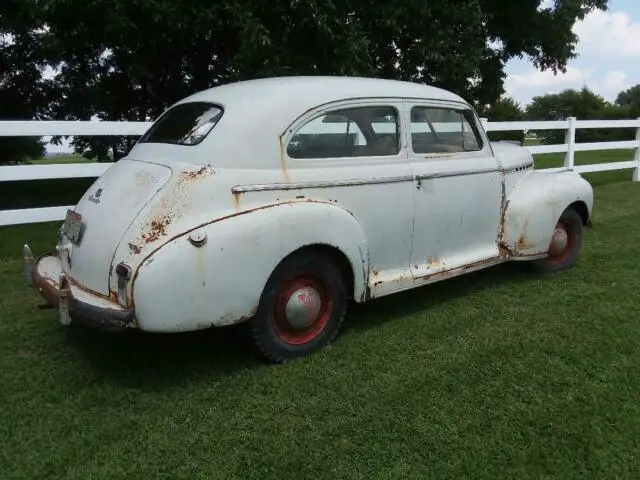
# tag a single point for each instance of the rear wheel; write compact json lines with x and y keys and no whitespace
{"x":301,"y":308}
{"x":565,"y":243}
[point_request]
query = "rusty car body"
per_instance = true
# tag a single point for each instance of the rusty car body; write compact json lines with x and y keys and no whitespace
{"x":274,"y":202}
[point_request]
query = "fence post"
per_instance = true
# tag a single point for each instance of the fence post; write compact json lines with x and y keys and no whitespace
{"x":570,"y":140}
{"x":636,"y":156}
{"x":484,"y":121}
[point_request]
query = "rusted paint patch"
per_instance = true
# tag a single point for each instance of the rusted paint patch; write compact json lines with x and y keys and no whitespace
{"x":113,"y":295}
{"x":157,"y":229}
{"x":402,"y":278}
{"x":504,"y":251}
{"x":133,"y":248}
{"x":503,"y":247}
{"x":433,"y":262}
{"x":374,"y":278}
{"x":522,"y":243}
{"x":203,"y":171}
{"x":236,"y":200}
{"x":442,"y":274}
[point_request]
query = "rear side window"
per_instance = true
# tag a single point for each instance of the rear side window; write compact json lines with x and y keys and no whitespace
{"x":184,"y":124}
{"x":350,"y":132}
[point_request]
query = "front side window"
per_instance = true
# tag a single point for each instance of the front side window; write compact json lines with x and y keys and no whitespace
{"x":184,"y":124}
{"x":443,"y":130}
{"x":352,"y":132}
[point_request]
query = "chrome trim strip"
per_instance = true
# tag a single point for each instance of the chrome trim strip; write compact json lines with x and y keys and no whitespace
{"x":428,"y":176}
{"x":299,"y":185}
{"x":265,"y":187}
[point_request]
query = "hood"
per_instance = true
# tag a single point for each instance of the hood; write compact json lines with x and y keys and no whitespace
{"x":511,"y":155}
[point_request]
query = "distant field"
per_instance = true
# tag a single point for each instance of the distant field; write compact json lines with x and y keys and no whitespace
{"x":71,"y":158}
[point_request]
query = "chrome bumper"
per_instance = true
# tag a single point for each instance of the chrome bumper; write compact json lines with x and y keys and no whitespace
{"x":46,"y":275}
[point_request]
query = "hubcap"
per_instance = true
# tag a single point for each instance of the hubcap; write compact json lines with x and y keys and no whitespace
{"x":303,"y":307}
{"x":559,"y":241}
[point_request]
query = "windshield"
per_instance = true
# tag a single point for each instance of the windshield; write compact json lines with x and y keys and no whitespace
{"x":184,"y":124}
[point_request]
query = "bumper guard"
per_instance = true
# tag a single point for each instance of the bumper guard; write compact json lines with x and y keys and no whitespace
{"x":46,"y":275}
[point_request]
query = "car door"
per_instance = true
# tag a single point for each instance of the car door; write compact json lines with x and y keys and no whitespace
{"x":458,"y":188}
{"x":353,"y":156}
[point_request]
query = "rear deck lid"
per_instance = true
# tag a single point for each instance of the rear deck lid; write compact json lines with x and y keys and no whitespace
{"x":106,"y":211}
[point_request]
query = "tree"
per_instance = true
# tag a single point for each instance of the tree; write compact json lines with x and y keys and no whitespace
{"x":23,"y":56}
{"x":130,"y":60}
{"x":582,"y":104}
{"x":631,"y":99}
{"x":505,"y":109}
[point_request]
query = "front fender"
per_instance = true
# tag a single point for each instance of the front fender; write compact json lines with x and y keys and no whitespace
{"x":534,"y":206}
{"x":182,"y":287}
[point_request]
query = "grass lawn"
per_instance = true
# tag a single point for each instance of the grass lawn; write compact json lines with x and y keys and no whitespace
{"x":497,"y":374}
{"x":71,"y":158}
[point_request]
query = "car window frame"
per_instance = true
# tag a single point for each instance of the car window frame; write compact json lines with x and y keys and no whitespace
{"x":377,"y":102}
{"x":467,"y":111}
{"x":143,"y":139}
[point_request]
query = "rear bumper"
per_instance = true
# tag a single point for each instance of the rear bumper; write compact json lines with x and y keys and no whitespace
{"x":73,"y":303}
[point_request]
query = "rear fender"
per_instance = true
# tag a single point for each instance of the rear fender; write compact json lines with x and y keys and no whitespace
{"x":220,"y":282}
{"x":534,"y":206}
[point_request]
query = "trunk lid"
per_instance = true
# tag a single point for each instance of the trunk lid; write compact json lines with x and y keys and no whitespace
{"x":108,"y":208}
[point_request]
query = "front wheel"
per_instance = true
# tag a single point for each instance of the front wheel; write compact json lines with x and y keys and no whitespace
{"x":565,"y":243}
{"x":301,"y":308}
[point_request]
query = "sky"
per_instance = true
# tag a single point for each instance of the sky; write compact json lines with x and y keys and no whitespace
{"x":608,"y":57}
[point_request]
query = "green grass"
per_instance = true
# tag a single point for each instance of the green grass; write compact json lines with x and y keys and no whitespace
{"x":497,"y":374}
{"x":59,"y":159}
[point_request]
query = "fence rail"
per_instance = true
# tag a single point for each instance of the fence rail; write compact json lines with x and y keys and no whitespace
{"x":100,"y":128}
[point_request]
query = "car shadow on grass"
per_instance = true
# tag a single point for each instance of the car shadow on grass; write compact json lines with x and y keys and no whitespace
{"x":138,"y":359}
{"x":160,"y":360}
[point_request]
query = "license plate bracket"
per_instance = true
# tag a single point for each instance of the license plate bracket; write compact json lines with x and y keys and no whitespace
{"x":73,"y":226}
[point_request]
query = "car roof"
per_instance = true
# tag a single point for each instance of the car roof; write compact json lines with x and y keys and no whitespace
{"x":292,"y":96}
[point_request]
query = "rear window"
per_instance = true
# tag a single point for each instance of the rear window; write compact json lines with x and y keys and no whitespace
{"x":184,"y":124}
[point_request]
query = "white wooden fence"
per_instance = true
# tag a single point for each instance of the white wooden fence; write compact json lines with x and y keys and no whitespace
{"x":98,"y":128}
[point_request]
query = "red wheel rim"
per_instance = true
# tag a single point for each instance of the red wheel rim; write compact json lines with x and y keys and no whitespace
{"x":561,"y":244}
{"x":302,"y":309}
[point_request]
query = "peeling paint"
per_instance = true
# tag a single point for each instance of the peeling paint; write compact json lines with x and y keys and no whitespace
{"x":231,"y":319}
{"x":522,"y":243}
{"x":433,"y":262}
{"x":236,"y":200}
{"x":157,"y":229}
{"x":133,"y":248}
{"x":201,"y":172}
{"x":283,"y":166}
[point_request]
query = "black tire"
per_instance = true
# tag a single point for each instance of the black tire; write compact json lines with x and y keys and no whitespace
{"x":271,"y":331}
{"x":571,"y":222}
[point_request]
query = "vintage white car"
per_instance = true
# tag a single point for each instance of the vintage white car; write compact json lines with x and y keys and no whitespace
{"x":277,"y":201}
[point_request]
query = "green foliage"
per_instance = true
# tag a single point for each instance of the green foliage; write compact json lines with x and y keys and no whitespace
{"x":631,"y":99}
{"x":506,"y":109}
{"x":584,"y":105}
{"x":22,"y":89}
